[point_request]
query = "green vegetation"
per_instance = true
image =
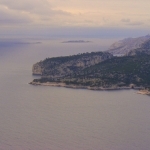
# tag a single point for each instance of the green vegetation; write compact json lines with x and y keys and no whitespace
{"x":66,"y":65}
{"x":122,"y":70}
{"x":64,"y":59}
{"x":117,"y":71}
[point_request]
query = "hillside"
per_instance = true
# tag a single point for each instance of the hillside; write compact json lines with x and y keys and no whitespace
{"x":144,"y":49}
{"x":123,"y":47}
{"x":117,"y":72}
{"x":57,"y":67}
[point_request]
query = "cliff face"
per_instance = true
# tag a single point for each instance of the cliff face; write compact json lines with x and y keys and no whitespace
{"x":64,"y":66}
{"x":144,"y":49}
{"x":37,"y":69}
{"x":123,"y":47}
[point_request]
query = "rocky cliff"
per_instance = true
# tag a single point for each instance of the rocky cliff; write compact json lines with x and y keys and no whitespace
{"x":37,"y":68}
{"x":123,"y":47}
{"x":63,"y":66}
{"x":144,"y":49}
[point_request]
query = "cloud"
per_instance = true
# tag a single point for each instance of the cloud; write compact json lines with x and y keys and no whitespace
{"x":125,"y":20}
{"x":96,"y":13}
{"x":25,"y":5}
{"x":8,"y":16}
{"x":129,"y":22}
{"x":136,"y":23}
{"x":36,"y":7}
{"x":30,"y":11}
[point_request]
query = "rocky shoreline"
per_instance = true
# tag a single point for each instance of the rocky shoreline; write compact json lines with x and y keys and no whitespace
{"x":144,"y":92}
{"x":60,"y":84}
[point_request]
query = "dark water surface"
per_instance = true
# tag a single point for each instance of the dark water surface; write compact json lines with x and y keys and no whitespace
{"x":55,"y":118}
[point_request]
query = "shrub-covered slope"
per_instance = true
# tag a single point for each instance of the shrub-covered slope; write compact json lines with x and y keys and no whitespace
{"x":62,"y":66}
{"x":117,"y":71}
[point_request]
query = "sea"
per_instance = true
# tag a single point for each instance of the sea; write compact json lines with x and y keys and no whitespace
{"x":58,"y":118}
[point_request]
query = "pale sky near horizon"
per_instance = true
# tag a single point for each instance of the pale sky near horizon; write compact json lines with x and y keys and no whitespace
{"x":31,"y":14}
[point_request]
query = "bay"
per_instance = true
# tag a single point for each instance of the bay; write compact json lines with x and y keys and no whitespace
{"x":56,"y":118}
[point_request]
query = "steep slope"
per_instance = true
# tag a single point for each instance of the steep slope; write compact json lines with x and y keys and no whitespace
{"x":144,"y":49}
{"x":117,"y":72}
{"x":123,"y":47}
{"x":63,"y":66}
{"x":120,"y":71}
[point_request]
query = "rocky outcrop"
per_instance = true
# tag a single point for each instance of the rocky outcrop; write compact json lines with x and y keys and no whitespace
{"x":123,"y":47}
{"x":144,"y":92}
{"x":144,"y":49}
{"x":37,"y":69}
{"x":64,"y":66}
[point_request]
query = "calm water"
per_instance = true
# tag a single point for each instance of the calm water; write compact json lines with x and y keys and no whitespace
{"x":53,"y":118}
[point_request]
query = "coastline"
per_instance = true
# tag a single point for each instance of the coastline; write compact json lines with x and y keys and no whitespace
{"x":144,"y":92}
{"x":84,"y":87}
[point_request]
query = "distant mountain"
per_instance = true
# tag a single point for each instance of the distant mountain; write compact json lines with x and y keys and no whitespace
{"x":144,"y":49}
{"x":124,"y":46}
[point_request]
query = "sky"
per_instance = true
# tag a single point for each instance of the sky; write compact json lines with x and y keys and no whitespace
{"x":58,"y":17}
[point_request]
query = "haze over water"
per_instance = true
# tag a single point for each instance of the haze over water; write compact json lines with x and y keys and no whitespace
{"x":55,"y":118}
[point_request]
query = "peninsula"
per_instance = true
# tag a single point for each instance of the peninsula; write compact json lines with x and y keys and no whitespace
{"x":97,"y":70}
